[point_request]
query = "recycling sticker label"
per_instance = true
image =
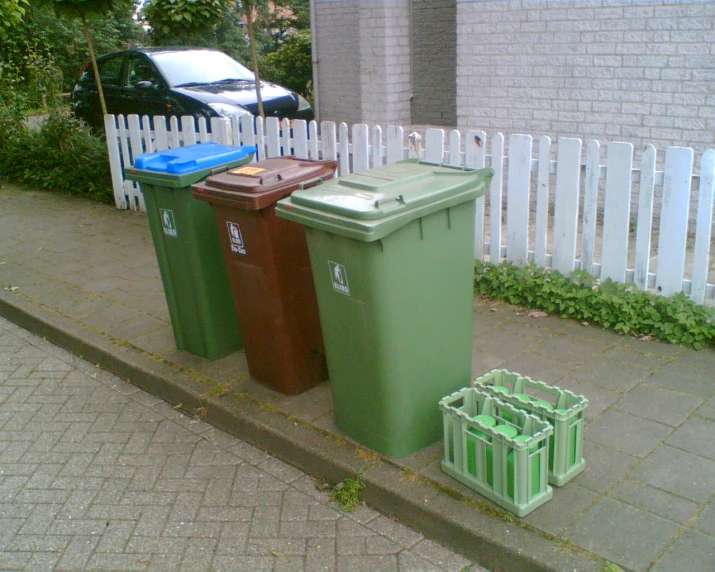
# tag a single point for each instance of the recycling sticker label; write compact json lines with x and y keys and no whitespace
{"x":339,"y":277}
{"x":234,"y":233}
{"x":168,"y":223}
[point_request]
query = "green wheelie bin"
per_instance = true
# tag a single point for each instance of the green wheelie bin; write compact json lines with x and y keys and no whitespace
{"x":393,"y":266}
{"x":187,"y":245}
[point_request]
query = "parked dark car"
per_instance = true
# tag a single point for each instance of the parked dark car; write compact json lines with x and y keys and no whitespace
{"x":179,"y":81}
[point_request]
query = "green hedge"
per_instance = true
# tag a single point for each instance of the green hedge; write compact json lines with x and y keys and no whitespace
{"x":61,"y":156}
{"x":611,"y":305}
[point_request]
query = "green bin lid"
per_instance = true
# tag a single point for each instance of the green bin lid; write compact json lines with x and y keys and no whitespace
{"x":370,"y":205}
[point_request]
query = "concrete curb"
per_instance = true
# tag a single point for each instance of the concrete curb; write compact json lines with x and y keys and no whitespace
{"x":422,"y":504}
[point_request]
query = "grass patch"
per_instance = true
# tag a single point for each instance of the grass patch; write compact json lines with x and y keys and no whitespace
{"x":347,"y":493}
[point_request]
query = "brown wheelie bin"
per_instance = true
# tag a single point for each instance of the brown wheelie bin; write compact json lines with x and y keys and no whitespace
{"x":269,"y":269}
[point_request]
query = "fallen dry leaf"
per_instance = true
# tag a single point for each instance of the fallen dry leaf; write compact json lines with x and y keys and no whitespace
{"x":537,"y":314}
{"x":646,"y":338}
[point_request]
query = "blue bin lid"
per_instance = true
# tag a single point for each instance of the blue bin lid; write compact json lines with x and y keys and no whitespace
{"x":191,"y":158}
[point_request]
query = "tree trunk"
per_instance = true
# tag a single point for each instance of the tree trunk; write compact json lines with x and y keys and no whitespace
{"x":85,"y":25}
{"x":254,"y":55}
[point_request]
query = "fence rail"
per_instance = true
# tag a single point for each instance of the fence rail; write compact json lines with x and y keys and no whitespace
{"x":564,"y":212}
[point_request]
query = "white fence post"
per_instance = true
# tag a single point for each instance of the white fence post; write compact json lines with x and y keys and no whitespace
{"x":115,"y":162}
{"x":644,"y":225}
{"x":701,"y":254}
{"x":673,"y":236}
{"x":592,"y":177}
{"x":475,"y":155}
{"x":616,"y":216}
{"x":395,"y":144}
{"x":541,"y":219}
{"x":434,"y":145}
{"x":517,"y":199}
{"x":495,"y":197}
{"x":568,"y":176}
{"x":361,"y":155}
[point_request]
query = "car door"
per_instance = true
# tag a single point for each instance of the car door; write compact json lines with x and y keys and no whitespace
{"x":144,"y":91}
{"x":110,"y":75}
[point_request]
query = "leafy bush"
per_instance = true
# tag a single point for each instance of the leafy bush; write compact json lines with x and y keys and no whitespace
{"x":290,"y":65}
{"x":609,"y":304}
{"x":62,"y":155}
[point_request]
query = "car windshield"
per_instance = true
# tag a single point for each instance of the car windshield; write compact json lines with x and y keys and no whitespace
{"x":200,"y":67}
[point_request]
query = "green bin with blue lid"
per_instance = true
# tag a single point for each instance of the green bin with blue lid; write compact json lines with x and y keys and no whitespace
{"x":391,"y":252}
{"x":187,"y":245}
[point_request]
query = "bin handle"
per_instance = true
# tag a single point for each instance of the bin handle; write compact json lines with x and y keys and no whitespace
{"x":311,"y":183}
{"x":398,"y":198}
{"x":218,"y":170}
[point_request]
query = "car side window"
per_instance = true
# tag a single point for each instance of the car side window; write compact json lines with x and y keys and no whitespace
{"x":138,"y":69}
{"x":110,"y":71}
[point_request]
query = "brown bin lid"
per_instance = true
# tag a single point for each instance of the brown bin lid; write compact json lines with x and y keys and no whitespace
{"x":258,"y":185}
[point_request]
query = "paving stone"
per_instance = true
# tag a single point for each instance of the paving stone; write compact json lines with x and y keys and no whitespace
{"x":198,"y":554}
{"x":409,"y":561}
{"x":599,"y":399}
{"x":565,"y":506}
{"x":706,"y":519}
{"x":395,"y":531}
{"x":502,"y":344}
{"x":604,"y":467}
{"x":43,"y":561}
{"x":482,"y":363}
{"x":624,"y":432}
{"x":136,"y":327}
{"x":679,"y":472}
{"x":14,"y":560}
{"x":592,"y":333}
{"x":672,"y":507}
{"x":708,"y":408}
{"x":541,"y":368}
{"x":377,"y":563}
{"x":569,"y":348}
{"x":125,"y":562}
{"x":438,"y":555}
{"x":625,"y":535}
{"x":320,"y":554}
{"x":704,"y":358}
{"x":684,"y":379}
{"x":692,"y":551}
{"x":617,"y":370}
{"x":243,"y":563}
{"x":657,"y":404}
{"x":696,"y":436}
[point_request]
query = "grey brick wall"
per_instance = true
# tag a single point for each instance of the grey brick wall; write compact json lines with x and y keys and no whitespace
{"x":364,"y":61}
{"x":385,"y":61}
{"x":338,"y":43}
{"x":434,"y":62}
{"x":633,"y":70}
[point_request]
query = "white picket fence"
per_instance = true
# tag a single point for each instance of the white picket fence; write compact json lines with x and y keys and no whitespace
{"x":565,"y":214}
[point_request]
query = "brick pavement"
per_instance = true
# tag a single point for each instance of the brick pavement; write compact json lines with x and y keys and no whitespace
{"x":646,"y":500}
{"x":97,"y":475}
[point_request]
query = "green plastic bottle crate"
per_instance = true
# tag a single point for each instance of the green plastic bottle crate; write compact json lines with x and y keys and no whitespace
{"x":497,"y":450}
{"x":560,"y":407}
